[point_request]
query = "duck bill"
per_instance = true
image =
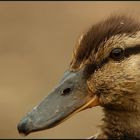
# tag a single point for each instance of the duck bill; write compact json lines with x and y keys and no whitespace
{"x":69,"y":97}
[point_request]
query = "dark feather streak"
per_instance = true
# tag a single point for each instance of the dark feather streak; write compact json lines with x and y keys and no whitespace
{"x":101,"y":32}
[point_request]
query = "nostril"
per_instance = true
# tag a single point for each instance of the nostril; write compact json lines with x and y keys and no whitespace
{"x":66,"y":91}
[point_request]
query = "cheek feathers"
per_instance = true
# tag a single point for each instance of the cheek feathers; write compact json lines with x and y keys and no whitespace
{"x":112,"y":78}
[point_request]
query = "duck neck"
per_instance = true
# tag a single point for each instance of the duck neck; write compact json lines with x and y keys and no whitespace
{"x":121,"y":124}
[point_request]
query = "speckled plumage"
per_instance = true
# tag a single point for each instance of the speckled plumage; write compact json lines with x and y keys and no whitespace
{"x":117,"y":83}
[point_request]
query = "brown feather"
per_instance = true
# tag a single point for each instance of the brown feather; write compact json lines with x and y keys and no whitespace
{"x":98,"y":34}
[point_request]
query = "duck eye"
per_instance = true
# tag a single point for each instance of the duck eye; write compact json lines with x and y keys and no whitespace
{"x":117,"y":53}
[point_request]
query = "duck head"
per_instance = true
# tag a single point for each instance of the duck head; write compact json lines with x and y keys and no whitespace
{"x":104,"y":71}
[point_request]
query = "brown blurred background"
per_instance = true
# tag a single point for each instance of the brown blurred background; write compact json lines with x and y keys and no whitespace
{"x":36,"y":43}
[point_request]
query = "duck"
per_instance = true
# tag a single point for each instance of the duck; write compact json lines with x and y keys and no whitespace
{"x":104,"y":71}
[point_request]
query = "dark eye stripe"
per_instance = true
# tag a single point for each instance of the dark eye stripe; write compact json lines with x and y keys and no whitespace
{"x":132,"y":50}
{"x":90,"y":68}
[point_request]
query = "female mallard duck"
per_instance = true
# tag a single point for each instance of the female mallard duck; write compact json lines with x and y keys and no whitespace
{"x":105,"y":71}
